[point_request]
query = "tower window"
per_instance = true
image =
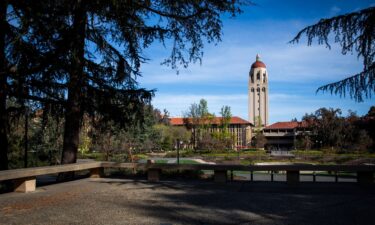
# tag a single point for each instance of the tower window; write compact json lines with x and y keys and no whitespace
{"x":258,"y":75}
{"x":263,"y":89}
{"x":252,"y":77}
{"x":252,"y":89}
{"x":264,"y":78}
{"x":258,"y":89}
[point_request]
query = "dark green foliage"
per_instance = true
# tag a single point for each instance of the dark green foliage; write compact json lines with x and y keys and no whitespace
{"x":205,"y":134}
{"x":260,"y":140}
{"x":44,"y":144}
{"x":367,"y":124}
{"x":304,"y":142}
{"x":371,"y":112}
{"x":355,"y":32}
{"x":215,"y":141}
{"x":120,"y":144}
{"x":169,"y":135}
{"x":226,"y":116}
{"x":332,"y":131}
{"x":85,"y":55}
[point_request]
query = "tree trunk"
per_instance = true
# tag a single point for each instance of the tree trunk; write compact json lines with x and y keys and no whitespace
{"x":3,"y":91}
{"x":73,"y":113}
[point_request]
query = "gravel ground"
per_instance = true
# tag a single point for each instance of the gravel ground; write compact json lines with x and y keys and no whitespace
{"x":123,"y":201}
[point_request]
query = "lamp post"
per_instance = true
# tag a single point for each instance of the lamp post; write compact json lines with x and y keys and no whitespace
{"x":26,"y":141}
{"x":178,"y":151}
{"x":319,"y":143}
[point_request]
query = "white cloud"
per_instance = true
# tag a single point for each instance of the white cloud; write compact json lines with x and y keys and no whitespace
{"x":285,"y":62}
{"x":283,"y":107}
{"x":177,"y":104}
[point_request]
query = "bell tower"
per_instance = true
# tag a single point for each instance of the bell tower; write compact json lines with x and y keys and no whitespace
{"x":258,"y":94}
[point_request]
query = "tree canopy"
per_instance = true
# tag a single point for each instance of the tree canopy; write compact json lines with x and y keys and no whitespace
{"x":84,"y":56}
{"x":200,"y":121}
{"x":332,"y":130}
{"x":355,"y":32}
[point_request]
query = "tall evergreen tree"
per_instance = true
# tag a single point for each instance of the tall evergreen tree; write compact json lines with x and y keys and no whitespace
{"x":85,"y":55}
{"x":25,"y":55}
{"x":355,"y":32}
{"x":16,"y":57}
{"x":3,"y":90}
{"x":119,"y":31}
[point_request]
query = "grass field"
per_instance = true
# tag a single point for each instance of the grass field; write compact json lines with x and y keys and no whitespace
{"x":247,"y":157}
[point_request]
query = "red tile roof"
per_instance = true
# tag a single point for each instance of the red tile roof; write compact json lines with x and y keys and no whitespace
{"x":287,"y":125}
{"x":176,"y":121}
{"x":258,"y":64}
{"x":217,"y":120}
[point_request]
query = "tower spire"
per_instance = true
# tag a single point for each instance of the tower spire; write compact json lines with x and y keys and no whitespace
{"x":257,"y":57}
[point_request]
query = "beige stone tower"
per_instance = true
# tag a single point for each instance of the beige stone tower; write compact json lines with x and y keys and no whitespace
{"x":258,"y":94}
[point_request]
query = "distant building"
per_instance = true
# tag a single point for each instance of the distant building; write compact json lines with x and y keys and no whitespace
{"x":258,"y":94}
{"x":280,"y":135}
{"x":238,"y":127}
{"x":284,"y":135}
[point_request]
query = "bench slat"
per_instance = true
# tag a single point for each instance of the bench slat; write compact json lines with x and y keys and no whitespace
{"x":36,"y":171}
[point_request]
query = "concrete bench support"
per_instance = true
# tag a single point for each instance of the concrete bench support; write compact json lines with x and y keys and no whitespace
{"x":97,"y":172}
{"x":24,"y":185}
{"x":292,"y":177}
{"x":365,"y":178}
{"x":220,"y":176}
{"x":153,"y":175}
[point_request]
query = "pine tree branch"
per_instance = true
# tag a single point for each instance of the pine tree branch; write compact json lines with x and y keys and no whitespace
{"x":198,"y":12}
{"x":359,"y":85}
{"x":355,"y":32}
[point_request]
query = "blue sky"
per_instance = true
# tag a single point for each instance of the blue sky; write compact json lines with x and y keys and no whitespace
{"x":295,"y":71}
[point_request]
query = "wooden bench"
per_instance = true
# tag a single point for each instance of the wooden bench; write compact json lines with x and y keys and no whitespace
{"x":25,"y":179}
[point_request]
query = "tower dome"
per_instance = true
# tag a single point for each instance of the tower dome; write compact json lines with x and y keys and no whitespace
{"x":258,"y":63}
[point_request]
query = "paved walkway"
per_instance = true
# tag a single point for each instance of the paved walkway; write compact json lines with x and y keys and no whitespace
{"x":121,"y":201}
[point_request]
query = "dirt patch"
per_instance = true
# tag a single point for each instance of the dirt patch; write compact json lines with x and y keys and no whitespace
{"x":43,"y":201}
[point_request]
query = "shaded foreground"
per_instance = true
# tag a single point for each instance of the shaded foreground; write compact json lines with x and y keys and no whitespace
{"x":122,"y":201}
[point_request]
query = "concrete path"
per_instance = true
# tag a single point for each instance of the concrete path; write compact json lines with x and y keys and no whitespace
{"x":122,"y":201}
{"x":174,"y":160}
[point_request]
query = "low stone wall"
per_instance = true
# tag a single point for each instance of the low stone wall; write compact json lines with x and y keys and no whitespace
{"x":25,"y":179}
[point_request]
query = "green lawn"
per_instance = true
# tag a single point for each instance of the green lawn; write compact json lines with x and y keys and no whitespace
{"x":235,"y":154}
{"x":249,"y":157}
